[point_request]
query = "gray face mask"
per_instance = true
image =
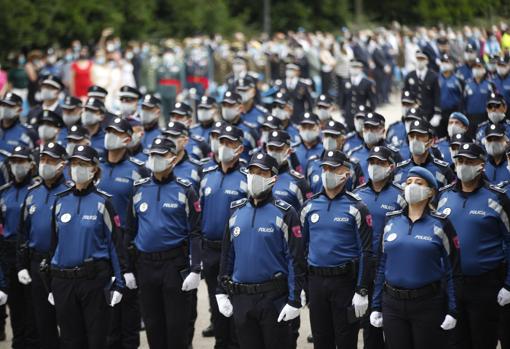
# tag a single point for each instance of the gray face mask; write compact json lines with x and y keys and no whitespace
{"x":378,"y":173}
{"x":147,"y":117}
{"x":495,"y":148}
{"x":81,"y":174}
{"x":358,"y":124}
{"x":8,"y":113}
{"x":226,"y":154}
{"x":279,"y":156}
{"x":47,"y":94}
{"x":47,"y":132}
{"x":331,"y":180}
{"x":113,"y":142}
{"x":71,"y":119}
{"x":309,"y":135}
{"x":467,"y":173}
{"x":281,"y":114}
{"x":258,"y":185}
{"x":323,"y":114}
{"x":47,"y":171}
{"x":371,"y":137}
{"x":20,"y":171}
{"x":417,"y":147}
{"x":89,"y":118}
{"x":229,"y":113}
{"x":454,"y":129}
{"x":215,"y":144}
{"x":329,"y":143}
{"x":415,"y":193}
{"x":496,"y":117}
{"x":69,"y":148}
{"x":157,"y":163}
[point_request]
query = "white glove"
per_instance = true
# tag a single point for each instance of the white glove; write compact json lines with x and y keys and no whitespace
{"x":3,"y":298}
{"x":116,"y":298}
{"x":376,"y":319}
{"x":224,"y":305}
{"x":503,"y":297}
{"x":191,"y":282}
{"x":51,"y":300}
{"x":288,"y":313}
{"x":449,"y":323}
{"x":360,"y":304}
{"x":436,"y":119}
{"x":130,"y":280}
{"x":303,"y":298}
{"x":24,"y":277}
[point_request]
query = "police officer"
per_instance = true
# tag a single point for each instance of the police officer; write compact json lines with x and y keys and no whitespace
{"x":337,"y":231}
{"x":252,"y":112}
{"x":100,"y":93}
{"x":310,"y":143}
{"x":50,"y":88}
{"x":455,"y":144}
{"x":496,"y":142}
{"x":458,"y":124}
{"x":268,"y":124}
{"x":164,"y":227}
{"x":479,"y":213}
{"x":397,"y":132}
{"x":84,"y":222}
{"x":35,"y":238}
{"x":298,"y":90}
{"x":149,"y":118}
{"x":222,"y":184}
{"x":207,"y":114}
{"x":262,"y":264}
{"x":22,"y":167}
{"x":465,"y":71}
{"x":418,"y":265}
{"x":420,"y":141}
{"x":381,"y":195}
{"x":129,"y":98}
{"x":451,"y":90}
{"x":77,"y":135}
{"x":501,"y":79}
{"x":92,"y":119}
{"x":477,"y":92}
{"x":282,"y":109}
{"x":14,"y":132}
{"x":355,"y":138}
{"x":496,"y":112}
{"x":49,"y":127}
{"x":214,"y":144}
{"x":197,"y":145}
{"x":119,"y":171}
{"x":71,"y":115}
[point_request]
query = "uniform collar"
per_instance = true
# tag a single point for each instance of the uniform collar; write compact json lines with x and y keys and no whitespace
{"x":26,"y":181}
{"x":405,"y":212}
{"x":168,"y":179}
{"x":458,"y":186}
{"x":126,"y":156}
{"x":185,"y":157}
{"x":269,"y":198}
{"x":389,"y":182}
{"x":85,"y":191}
{"x":59,"y":181}
{"x":236,"y":167}
{"x":283,"y":168}
{"x":338,"y":196}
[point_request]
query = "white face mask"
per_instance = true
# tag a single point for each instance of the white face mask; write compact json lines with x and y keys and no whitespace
{"x":332,"y":180}
{"x":467,"y":173}
{"x":415,"y":193}
{"x":478,"y":72}
{"x":502,"y":70}
{"x":147,"y":117}
{"x":47,"y":94}
{"x":372,"y":137}
{"x":238,"y":69}
{"x":421,"y":64}
{"x":226,"y":154}
{"x":48,"y":171}
{"x":378,"y":173}
{"x":205,"y":115}
{"x":355,"y":72}
{"x":20,"y":171}
{"x":71,"y":119}
{"x":279,"y":156}
{"x":281,"y":114}
{"x":323,"y":114}
{"x":82,"y":174}
{"x":113,"y":142}
{"x":446,"y":67}
{"x":329,"y":143}
{"x":454,"y":129}
{"x":291,"y":73}
{"x":263,"y":137}
{"x":417,"y":147}
{"x":405,"y":110}
{"x":47,"y":132}
{"x":309,"y":135}
{"x":496,"y":116}
{"x":136,"y":138}
{"x":358,"y":124}
{"x":157,"y":163}
{"x":8,"y":113}
{"x":258,"y":185}
{"x":215,"y":144}
{"x":229,"y":113}
{"x":247,"y":96}
{"x":89,"y":118}
{"x":127,"y":109}
{"x":495,"y":148}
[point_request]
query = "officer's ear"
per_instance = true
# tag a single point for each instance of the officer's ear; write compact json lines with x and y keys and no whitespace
{"x":185,"y":140}
{"x":240,"y":149}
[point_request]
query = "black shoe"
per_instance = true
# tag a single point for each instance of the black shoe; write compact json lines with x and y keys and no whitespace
{"x":309,"y":339}
{"x":209,"y":331}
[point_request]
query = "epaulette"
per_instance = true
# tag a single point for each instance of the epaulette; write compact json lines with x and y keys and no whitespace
{"x":393,"y":213}
{"x":102,"y":192}
{"x":238,"y":203}
{"x":198,"y":138}
{"x":349,"y":153}
{"x":141,"y":181}
{"x":261,"y":108}
{"x":210,"y":169}
{"x":249,"y":124}
{"x":483,"y":124}
{"x":69,"y":184}
{"x":296,"y":174}
{"x":496,"y":189}
{"x":183,"y":182}
{"x":205,"y":160}
{"x":393,"y":124}
{"x":296,"y":144}
{"x":136,"y":161}
{"x":361,"y":186}
{"x":438,"y":214}
{"x":64,"y":192}
{"x":5,"y":153}
{"x":243,"y":161}
{"x":395,"y":184}
{"x":392,"y":148}
{"x":403,"y":163}
{"x":282,"y":204}
{"x":350,"y":134}
{"x":352,"y":195}
{"x":306,"y":81}
{"x":446,"y":187}
{"x":314,"y":157}
{"x":194,"y":161}
{"x":444,"y":139}
{"x":503,"y":184}
{"x":34,"y":185}
{"x":440,"y":162}
{"x":195,"y":126}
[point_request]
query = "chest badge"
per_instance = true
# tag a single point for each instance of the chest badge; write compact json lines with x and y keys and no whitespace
{"x":32,"y":209}
{"x":143,"y":207}
{"x":392,"y":237}
{"x":207,"y":191}
{"x":447,"y":211}
{"x":314,"y":218}
{"x":411,"y":81}
{"x":236,"y":232}
{"x":66,"y":217}
{"x":347,"y":85}
{"x":315,"y":178}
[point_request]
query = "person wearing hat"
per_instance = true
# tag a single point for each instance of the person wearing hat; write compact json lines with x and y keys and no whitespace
{"x":415,"y":296}
{"x":423,"y":83}
{"x":72,"y":108}
{"x":465,"y":71}
{"x":186,"y":166}
{"x":222,"y":184}
{"x":149,"y":118}
{"x":282,"y":108}
{"x":92,"y":119}
{"x":207,"y":114}
{"x":455,"y":145}
{"x":129,"y":98}
{"x":84,"y":221}
{"x":333,"y":138}
{"x":164,"y":230}
{"x":299,"y":91}
{"x":239,"y":70}
{"x":326,"y":109}
{"x":100,"y":93}
{"x":356,"y":91}
{"x":397,"y":132}
{"x":35,"y":238}
{"x":119,"y":172}
{"x":420,"y":142}
{"x":354,"y":138}
{"x":77,"y":135}
{"x":496,"y":112}
{"x":49,"y":127}
{"x":49,"y":91}
{"x":14,"y":133}
{"x":252,"y":112}
{"x":214,"y":144}
{"x":373,"y":135}
{"x":479,"y":213}
{"x":501,"y":79}
{"x":496,"y":143}
{"x":310,"y":143}
{"x":477,"y":93}
{"x":268,"y":124}
{"x":231,"y":112}
{"x":337,"y":233}
{"x":263,"y":234}
{"x":458,"y":123}
{"x":22,"y":169}
{"x":451,"y":93}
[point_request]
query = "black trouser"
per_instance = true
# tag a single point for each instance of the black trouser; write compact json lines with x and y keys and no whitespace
{"x":193,"y":316}
{"x":504,"y":327}
{"x":478,"y":312}
{"x":223,"y":327}
{"x":82,"y":310}
{"x":255,"y":318}
{"x":44,"y":312}
{"x":166,"y":309}
{"x":414,"y":323}
{"x":19,"y":301}
{"x":329,"y":299}
{"x":373,"y":337}
{"x":124,"y":331}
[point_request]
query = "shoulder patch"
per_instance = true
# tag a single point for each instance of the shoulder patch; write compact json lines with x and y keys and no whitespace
{"x":354,"y":196}
{"x":503,"y":184}
{"x":440,"y":162}
{"x":437,"y":214}
{"x":403,"y":163}
{"x":243,"y":170}
{"x":5,"y":153}
{"x":392,"y":148}
{"x":396,"y":185}
{"x":314,"y":157}
{"x":282,"y":204}
{"x":205,"y":160}
{"x":359,"y":187}
{"x":496,"y":189}
{"x":394,"y":213}
{"x":136,"y":161}
{"x":198,"y":138}
{"x":65,"y":192}
{"x":350,"y":134}
{"x":183,"y":182}
{"x":249,"y":124}
{"x":296,"y":174}
{"x":355,"y":149}
{"x":34,"y":185}
{"x":210,"y":169}
{"x":141,"y":181}
{"x":447,"y":187}
{"x":102,"y":192}
{"x":261,"y":108}
{"x":238,"y":203}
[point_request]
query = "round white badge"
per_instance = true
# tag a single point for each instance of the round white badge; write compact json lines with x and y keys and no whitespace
{"x":447,"y":211}
{"x":66,"y":217}
{"x":315,"y":178}
{"x":314,"y":218}
{"x":237,"y":231}
{"x":392,"y":237}
{"x":411,"y":81}
{"x":347,"y":85}
{"x":207,"y":191}
{"x":143,"y":207}
{"x":32,"y":209}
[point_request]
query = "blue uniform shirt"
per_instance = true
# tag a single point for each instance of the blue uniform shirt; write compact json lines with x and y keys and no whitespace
{"x":12,"y":196}
{"x":291,"y":187}
{"x":202,"y":131}
{"x":496,"y":173}
{"x":396,"y":134}
{"x":502,"y":85}
{"x":97,"y":142}
{"x":439,"y":168}
{"x":255,"y":115}
{"x":149,"y":135}
{"x":476,"y":96}
{"x":304,"y":153}
{"x":352,"y":140}
{"x":190,"y":169}
{"x":17,"y":134}
{"x":451,"y":91}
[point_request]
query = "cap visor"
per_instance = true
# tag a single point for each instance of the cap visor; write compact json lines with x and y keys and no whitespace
{"x":276,"y":143}
{"x":372,"y":123}
{"x":49,"y":153}
{"x":229,"y":101}
{"x":11,"y":103}
{"x":378,"y":157}
{"x":332,"y":164}
{"x":229,"y":137}
{"x":19,"y":156}
{"x":423,"y":132}
{"x":96,"y":95}
{"x":262,"y":167}
{"x":128,"y":95}
{"x":51,"y":83}
{"x":468,"y":156}
{"x":80,"y":157}
{"x":332,"y":132}
{"x":178,"y":112}
{"x":159,"y":151}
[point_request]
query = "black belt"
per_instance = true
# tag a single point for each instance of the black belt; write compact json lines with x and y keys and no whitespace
{"x":342,"y":270}
{"x":408,"y":294}
{"x":163,"y":255}
{"x":213,"y":245}
{"x":273,"y":285}
{"x":88,"y":270}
